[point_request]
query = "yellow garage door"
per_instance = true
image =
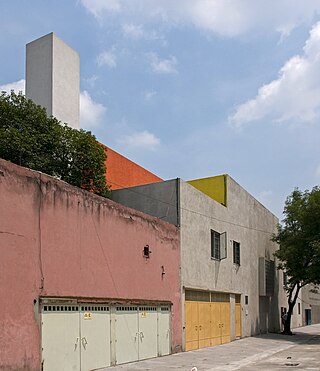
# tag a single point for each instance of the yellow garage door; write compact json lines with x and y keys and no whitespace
{"x":206,"y":324}
{"x":191,"y":328}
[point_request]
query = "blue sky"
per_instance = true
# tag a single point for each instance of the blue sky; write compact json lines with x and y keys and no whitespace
{"x":191,"y":88}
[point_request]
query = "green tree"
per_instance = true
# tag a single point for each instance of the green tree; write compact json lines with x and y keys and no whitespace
{"x":29,"y":138}
{"x":299,"y":241}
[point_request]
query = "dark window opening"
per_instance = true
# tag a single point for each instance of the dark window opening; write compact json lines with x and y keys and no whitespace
{"x":236,"y":252}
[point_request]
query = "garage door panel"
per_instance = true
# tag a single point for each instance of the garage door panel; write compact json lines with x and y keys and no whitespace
{"x":204,"y":310}
{"x":148,"y":341}
{"x":95,"y":337}
{"x":191,"y":325}
{"x":225,"y":322}
{"x":164,"y":330}
{"x":60,"y":338}
{"x":127,"y":334}
{"x":215,"y":324}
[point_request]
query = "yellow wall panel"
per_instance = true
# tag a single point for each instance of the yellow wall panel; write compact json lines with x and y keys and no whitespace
{"x":214,"y":187}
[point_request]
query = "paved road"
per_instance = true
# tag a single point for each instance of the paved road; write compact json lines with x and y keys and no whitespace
{"x":300,"y":351}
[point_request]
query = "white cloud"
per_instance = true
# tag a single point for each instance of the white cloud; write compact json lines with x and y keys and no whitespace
{"x":98,"y":7}
{"x":137,"y":31}
{"x":165,"y":66}
{"x":148,"y":95}
{"x":107,"y":58}
{"x":225,"y":17}
{"x":17,"y":86}
{"x":91,"y":81}
{"x":142,"y":140}
{"x":294,"y":96}
{"x":133,"y":31}
{"x":91,"y":112}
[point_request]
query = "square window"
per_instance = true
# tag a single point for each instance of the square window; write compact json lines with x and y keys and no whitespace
{"x":236,"y":252}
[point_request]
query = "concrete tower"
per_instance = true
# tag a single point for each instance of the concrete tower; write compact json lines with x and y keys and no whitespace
{"x":53,"y":78}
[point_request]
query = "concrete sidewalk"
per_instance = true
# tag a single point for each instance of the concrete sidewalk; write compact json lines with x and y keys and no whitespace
{"x":265,"y":352}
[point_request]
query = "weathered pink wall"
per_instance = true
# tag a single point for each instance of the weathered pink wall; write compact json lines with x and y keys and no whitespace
{"x":57,"y":240}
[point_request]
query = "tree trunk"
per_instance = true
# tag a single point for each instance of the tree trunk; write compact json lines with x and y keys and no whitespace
{"x":287,"y":323}
{"x":291,"y":304}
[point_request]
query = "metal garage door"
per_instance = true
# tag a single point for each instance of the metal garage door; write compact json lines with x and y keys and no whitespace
{"x":127,"y":334}
{"x":136,"y":332}
{"x":95,"y":336}
{"x":60,"y":338}
{"x":164,"y":333}
{"x":148,"y":331}
{"x":75,"y":337}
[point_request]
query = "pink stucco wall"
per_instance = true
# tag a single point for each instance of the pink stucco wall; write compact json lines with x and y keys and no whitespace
{"x":57,"y":240}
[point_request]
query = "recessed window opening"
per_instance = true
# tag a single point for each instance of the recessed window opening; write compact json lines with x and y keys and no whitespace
{"x":236,"y":252}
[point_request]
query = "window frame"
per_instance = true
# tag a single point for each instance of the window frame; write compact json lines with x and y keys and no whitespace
{"x":215,"y":245}
{"x":236,"y":253}
{"x":218,"y":245}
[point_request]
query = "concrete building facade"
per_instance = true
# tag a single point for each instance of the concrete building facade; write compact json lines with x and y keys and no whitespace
{"x":229,"y":282}
{"x":84,"y":280}
{"x":53,"y":78}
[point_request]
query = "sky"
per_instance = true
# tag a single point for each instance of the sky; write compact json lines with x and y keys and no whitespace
{"x":190,"y":88}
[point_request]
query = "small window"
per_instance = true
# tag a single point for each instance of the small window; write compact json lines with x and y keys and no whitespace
{"x":299,"y":308}
{"x":215,"y":245}
{"x":218,"y":245}
{"x":146,"y":252}
{"x":236,"y":252}
{"x":246,"y":300}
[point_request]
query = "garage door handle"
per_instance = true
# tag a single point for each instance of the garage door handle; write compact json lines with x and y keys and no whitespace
{"x":84,"y":342}
{"x":76,"y":343}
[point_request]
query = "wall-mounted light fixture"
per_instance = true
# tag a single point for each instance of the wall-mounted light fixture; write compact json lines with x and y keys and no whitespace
{"x":146,"y":252}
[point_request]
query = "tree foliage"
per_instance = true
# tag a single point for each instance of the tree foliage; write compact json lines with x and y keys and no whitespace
{"x":29,"y":138}
{"x":299,"y":241}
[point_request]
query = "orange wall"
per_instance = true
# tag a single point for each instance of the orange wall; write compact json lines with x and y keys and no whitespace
{"x":123,"y":173}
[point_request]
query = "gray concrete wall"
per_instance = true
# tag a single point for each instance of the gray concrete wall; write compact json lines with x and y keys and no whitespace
{"x":156,"y":199}
{"x":53,"y":78}
{"x":246,"y":221}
